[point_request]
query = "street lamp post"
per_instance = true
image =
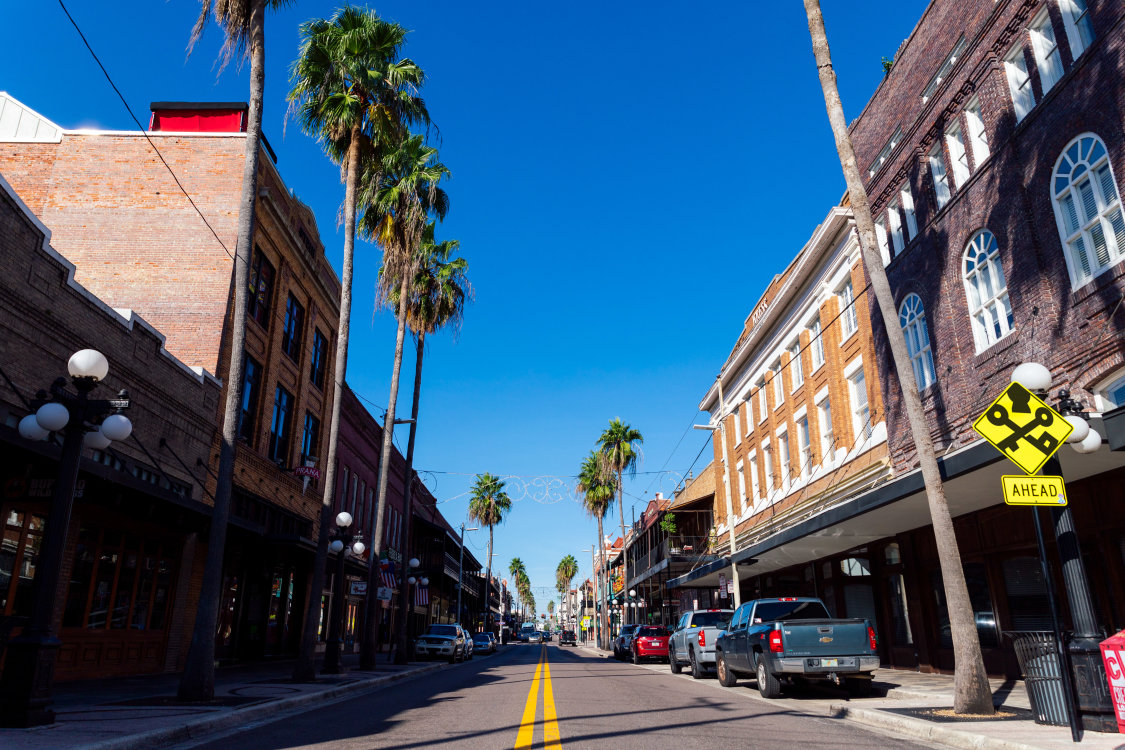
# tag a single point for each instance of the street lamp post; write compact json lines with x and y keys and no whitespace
{"x":29,"y":666}
{"x":344,"y":542}
{"x":461,"y":567}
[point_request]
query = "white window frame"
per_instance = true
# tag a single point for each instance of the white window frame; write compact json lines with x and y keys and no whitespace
{"x":908,"y":210}
{"x":894,"y":223}
{"x":881,"y":239}
{"x":937,"y":172}
{"x":740,"y":471}
{"x":827,"y":436}
{"x":1079,"y":27}
{"x":1045,"y":48}
{"x":958,"y":157}
{"x":784,"y":457}
{"x":778,"y":383}
{"x":816,"y":344}
{"x":1104,"y":393}
{"x":763,"y":405}
{"x":912,"y":319}
{"x":849,"y":321}
{"x":804,"y":444}
{"x":767,"y":465}
{"x":1019,"y":81}
{"x":861,"y":411}
{"x":1071,"y":208}
{"x":978,"y":139}
{"x":737,"y":428}
{"x":796,"y":367}
{"x":986,"y":290}
{"x":755,"y":486}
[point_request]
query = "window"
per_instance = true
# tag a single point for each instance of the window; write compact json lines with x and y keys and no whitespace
{"x":955,"y":142}
{"x":937,"y":172}
{"x":319,"y":359}
{"x":310,"y":440}
{"x":977,"y":138}
{"x":784,"y":457}
{"x":294,"y":327}
{"x":945,"y":69}
{"x":827,"y":438}
{"x":261,"y":290}
{"x":737,"y":428}
{"x":908,"y":211}
{"x":1112,"y":395}
{"x":912,"y":318}
{"x":881,"y":239}
{"x":342,"y":505}
{"x":762,"y":407}
{"x":754,"y":488}
{"x":767,"y":466}
{"x":1019,"y":82}
{"x":251,"y":389}
{"x":885,"y":152}
{"x":816,"y":344}
{"x":986,"y":291}
{"x":894,"y":220}
{"x":848,"y":318}
{"x":804,"y":445}
{"x":1088,"y":208}
{"x":1079,"y":30}
{"x":282,"y":426}
{"x":741,"y":471}
{"x":1046,"y":51}
{"x":796,"y":369}
{"x":861,"y":410}
{"x":749,"y":415}
{"x":778,"y":386}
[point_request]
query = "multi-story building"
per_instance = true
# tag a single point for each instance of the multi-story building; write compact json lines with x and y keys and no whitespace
{"x":120,"y":214}
{"x":132,"y":567}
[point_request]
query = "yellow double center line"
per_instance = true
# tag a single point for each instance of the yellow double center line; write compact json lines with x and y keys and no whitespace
{"x":550,"y":715}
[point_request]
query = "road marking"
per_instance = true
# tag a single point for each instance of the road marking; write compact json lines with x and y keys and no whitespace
{"x":550,"y":717}
{"x":551,"y":735}
{"x":527,"y":723}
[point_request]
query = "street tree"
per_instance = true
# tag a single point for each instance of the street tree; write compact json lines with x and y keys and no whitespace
{"x":595,"y":489}
{"x":355,"y":95}
{"x":243,"y":23}
{"x":972,"y":693}
{"x":488,"y":504}
{"x":619,"y":445}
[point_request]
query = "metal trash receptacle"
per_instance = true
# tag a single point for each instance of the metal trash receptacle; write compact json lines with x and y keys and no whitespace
{"x":1039,"y":661}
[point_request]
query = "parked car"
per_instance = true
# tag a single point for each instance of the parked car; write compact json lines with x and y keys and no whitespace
{"x":780,"y":639}
{"x":546,"y":636}
{"x":443,"y":641}
{"x":650,"y":642}
{"x":568,"y":637}
{"x":692,"y":642}
{"x":535,"y":637}
{"x":483,"y":642}
{"x":621,"y":642}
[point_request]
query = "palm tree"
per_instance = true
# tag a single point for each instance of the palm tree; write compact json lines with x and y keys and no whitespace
{"x":551,"y":610}
{"x":437,"y":298}
{"x":619,"y":448}
{"x":595,"y":487}
{"x":568,"y":567}
{"x":972,"y":693}
{"x":352,"y":93}
{"x":488,"y":503}
{"x":244,"y":25}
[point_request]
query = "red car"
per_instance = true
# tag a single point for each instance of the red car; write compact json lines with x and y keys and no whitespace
{"x":650,"y":642}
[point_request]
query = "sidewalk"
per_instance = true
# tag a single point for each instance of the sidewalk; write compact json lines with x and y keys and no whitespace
{"x":901,"y":703}
{"x":142,"y":712}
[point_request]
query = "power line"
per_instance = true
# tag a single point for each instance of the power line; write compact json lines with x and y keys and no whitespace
{"x":142,"y":130}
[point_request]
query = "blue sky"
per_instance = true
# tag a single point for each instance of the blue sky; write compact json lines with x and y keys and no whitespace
{"x":627,"y":178}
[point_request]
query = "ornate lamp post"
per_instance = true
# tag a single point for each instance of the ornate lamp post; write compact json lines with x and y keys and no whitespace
{"x":29,"y":666}
{"x":343,"y":543}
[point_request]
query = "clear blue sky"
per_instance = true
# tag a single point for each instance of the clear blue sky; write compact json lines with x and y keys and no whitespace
{"x":627,"y":178}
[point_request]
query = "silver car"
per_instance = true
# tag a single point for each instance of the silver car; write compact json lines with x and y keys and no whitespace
{"x":444,"y":642}
{"x":483,"y":643}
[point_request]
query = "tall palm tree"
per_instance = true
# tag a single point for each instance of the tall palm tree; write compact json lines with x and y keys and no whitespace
{"x":244,"y":27}
{"x":437,"y":298}
{"x":972,"y":693}
{"x":353,"y":94}
{"x":620,"y":448}
{"x":595,"y":488}
{"x":567,"y":569}
{"x":519,"y":576}
{"x":399,"y":192}
{"x":488,"y":504}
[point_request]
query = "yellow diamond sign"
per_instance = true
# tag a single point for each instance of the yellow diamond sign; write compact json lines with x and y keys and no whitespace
{"x":1023,"y":427}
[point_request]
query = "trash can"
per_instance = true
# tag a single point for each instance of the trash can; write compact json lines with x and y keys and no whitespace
{"x":1039,"y":661}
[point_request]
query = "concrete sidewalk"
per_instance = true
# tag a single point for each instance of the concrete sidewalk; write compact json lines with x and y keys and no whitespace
{"x":142,"y":712}
{"x":899,"y":697}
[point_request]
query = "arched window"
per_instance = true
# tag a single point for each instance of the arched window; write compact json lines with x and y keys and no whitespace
{"x":912,"y":318}
{"x":1087,"y":208}
{"x":986,"y":290}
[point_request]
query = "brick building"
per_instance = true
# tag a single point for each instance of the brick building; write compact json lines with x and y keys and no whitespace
{"x":131,"y":571}
{"x":136,"y":241}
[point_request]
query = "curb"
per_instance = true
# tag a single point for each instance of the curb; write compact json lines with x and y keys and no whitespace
{"x":925,"y":730}
{"x":207,"y":724}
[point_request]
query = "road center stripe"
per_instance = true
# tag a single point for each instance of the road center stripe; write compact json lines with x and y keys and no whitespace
{"x":550,"y":718}
{"x":527,"y":723}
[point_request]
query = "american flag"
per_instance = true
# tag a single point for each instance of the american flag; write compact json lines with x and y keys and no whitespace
{"x":421,"y":596}
{"x":388,"y":578}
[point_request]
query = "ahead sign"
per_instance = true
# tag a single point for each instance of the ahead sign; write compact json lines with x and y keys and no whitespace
{"x":1023,"y":427}
{"x":1021,"y":490}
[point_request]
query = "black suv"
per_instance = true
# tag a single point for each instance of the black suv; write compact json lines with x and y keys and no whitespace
{"x":567,"y":636}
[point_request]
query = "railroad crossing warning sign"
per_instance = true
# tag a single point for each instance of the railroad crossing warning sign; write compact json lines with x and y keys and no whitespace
{"x":1023,"y":427}
{"x":1021,"y":490}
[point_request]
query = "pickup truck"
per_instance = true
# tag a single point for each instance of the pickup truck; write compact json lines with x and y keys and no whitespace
{"x":693,"y":640}
{"x":794,"y":637}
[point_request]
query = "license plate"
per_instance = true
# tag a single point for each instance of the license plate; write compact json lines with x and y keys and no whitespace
{"x":829,"y":662}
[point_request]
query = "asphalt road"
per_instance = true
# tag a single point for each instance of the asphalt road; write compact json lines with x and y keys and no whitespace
{"x":532,"y":696}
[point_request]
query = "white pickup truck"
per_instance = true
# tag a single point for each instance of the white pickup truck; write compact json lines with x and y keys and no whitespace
{"x":692,"y":643}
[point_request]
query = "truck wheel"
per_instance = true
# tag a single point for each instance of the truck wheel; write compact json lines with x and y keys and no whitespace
{"x":768,"y":684}
{"x":675,"y":665}
{"x":696,"y":669}
{"x":727,"y":678}
{"x":860,"y":687}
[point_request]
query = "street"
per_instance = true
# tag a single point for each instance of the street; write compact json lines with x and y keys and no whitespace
{"x":532,"y":696}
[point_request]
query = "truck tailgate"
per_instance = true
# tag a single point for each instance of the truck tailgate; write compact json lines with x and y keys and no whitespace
{"x":825,"y":637}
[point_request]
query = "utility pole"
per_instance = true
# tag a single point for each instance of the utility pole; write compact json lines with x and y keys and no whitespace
{"x":726,"y":488}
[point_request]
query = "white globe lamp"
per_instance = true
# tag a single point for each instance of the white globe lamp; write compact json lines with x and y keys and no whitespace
{"x":343,"y":519}
{"x":88,"y":363}
{"x":336,"y":546}
{"x":117,"y":427}
{"x":96,"y":440}
{"x":30,"y":429}
{"x":1032,"y":376}
{"x":52,"y":416}
{"x":1081,"y":429}
{"x":1089,"y":444}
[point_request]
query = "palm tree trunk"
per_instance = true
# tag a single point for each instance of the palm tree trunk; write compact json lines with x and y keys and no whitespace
{"x":972,"y":693}
{"x":305,"y":668}
{"x":603,"y":640}
{"x":367,"y":645}
{"x":401,"y":640}
{"x":487,"y":587}
{"x":624,"y":542}
{"x":198,"y":680}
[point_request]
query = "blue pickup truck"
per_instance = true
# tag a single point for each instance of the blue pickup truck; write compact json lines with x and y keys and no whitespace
{"x":795,"y":638}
